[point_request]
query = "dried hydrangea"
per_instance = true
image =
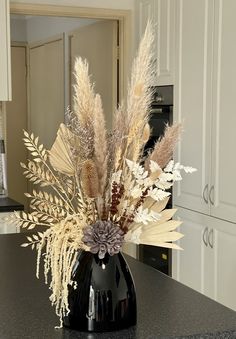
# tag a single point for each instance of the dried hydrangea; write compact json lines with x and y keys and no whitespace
{"x":103,"y":237}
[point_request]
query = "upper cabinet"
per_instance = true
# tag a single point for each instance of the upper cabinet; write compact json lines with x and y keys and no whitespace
{"x":5,"y":57}
{"x":204,"y":100}
{"x":162,"y":14}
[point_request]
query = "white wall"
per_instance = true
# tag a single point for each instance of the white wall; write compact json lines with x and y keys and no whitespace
{"x":115,"y":4}
{"x":43,"y":27}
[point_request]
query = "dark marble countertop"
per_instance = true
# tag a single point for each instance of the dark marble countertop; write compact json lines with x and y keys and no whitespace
{"x":9,"y":205}
{"x":166,"y":308}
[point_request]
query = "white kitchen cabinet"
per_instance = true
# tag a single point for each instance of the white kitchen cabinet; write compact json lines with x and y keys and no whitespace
{"x":5,"y":226}
{"x":192,"y":98}
{"x":223,"y":185}
{"x":162,"y":14}
{"x":5,"y":56}
{"x":208,"y":261}
{"x":204,"y":100}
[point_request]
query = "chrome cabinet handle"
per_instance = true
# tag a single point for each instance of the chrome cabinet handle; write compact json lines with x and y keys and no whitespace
{"x":210,"y":195}
{"x":205,"y":236}
{"x":210,"y":238}
{"x":205,"y":194}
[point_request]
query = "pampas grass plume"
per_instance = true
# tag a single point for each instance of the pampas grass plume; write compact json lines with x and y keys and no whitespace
{"x":163,"y":150}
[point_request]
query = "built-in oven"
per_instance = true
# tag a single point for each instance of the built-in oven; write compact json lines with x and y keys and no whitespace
{"x":161,"y":114}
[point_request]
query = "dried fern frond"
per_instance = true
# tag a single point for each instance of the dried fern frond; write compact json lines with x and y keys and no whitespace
{"x":163,"y":150}
{"x":100,"y":144}
{"x":37,"y":151}
{"x":38,"y":174}
{"x":89,"y":179}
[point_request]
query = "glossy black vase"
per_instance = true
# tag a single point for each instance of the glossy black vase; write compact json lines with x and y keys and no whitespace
{"x":105,"y":298}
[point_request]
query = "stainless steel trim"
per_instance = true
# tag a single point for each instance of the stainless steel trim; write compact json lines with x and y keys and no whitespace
{"x":210,"y":195}
{"x":156,"y":110}
{"x":210,"y":238}
{"x":205,"y":194}
{"x":205,"y":236}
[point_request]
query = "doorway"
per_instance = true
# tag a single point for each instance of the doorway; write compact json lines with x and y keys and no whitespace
{"x":45,"y":112}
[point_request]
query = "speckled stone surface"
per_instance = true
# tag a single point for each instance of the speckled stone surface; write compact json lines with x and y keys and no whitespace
{"x":166,"y":309}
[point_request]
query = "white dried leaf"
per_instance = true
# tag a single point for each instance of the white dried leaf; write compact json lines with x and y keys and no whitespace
{"x":24,"y":245}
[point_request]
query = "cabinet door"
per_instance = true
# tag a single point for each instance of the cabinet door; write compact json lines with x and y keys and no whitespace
{"x":192,"y":99}
{"x":165,"y":41}
{"x":224,"y":119}
{"x":224,"y":263}
{"x":162,"y":14}
{"x":5,"y":55}
{"x":188,"y":265}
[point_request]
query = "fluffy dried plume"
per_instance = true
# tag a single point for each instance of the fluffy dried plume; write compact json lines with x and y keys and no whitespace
{"x":84,"y":100}
{"x":100,"y":143}
{"x":140,"y":94}
{"x":163,"y":150}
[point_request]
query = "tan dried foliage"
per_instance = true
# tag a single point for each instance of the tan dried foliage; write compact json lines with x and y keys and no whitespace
{"x":163,"y":150}
{"x":89,"y":179}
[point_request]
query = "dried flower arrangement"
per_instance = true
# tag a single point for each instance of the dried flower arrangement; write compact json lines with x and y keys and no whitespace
{"x":103,"y":196}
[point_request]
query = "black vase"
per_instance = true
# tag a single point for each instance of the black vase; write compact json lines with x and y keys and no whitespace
{"x":105,"y":298}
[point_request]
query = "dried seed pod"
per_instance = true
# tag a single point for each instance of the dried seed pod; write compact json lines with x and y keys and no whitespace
{"x":89,"y":179}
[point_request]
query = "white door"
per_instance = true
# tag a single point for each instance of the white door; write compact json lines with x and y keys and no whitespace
{"x":46,"y":89}
{"x":98,"y":44}
{"x":192,"y":99}
{"x":16,"y":121}
{"x":223,"y":184}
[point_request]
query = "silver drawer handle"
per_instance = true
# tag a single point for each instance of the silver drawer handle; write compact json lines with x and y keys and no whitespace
{"x":205,"y":236}
{"x":205,"y":194}
{"x":211,"y":198}
{"x":210,"y":238}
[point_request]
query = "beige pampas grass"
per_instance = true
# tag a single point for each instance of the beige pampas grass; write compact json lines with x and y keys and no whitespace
{"x":89,"y":179}
{"x":163,"y":150}
{"x":139,"y":95}
{"x":100,"y":143}
{"x":83,"y":105}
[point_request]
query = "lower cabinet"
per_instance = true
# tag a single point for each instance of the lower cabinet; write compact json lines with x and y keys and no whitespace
{"x":208,"y":260}
{"x":5,"y":226}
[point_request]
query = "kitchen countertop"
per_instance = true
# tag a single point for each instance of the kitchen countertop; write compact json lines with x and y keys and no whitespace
{"x":166,"y":308}
{"x":9,"y":205}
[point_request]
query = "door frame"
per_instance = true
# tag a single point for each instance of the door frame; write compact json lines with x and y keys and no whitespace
{"x":123,"y":16}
